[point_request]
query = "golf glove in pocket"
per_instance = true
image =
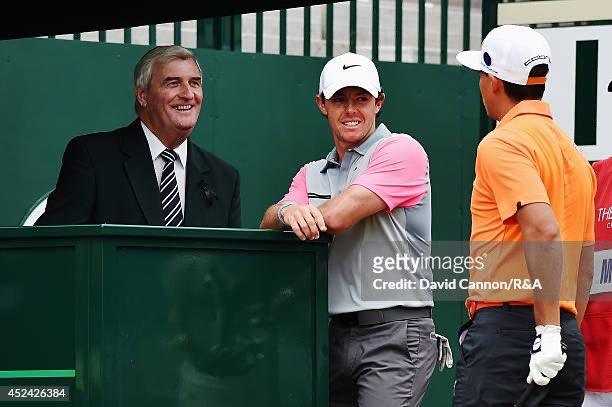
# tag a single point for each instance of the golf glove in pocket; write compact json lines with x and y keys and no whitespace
{"x":445,"y":353}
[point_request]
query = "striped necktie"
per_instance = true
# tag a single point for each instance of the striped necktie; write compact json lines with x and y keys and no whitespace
{"x":168,"y":189}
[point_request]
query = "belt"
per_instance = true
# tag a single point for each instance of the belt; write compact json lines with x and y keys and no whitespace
{"x":379,"y":316}
{"x":563,"y":313}
{"x":474,"y":306}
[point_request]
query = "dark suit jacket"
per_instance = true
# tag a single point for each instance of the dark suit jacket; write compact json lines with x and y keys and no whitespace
{"x":109,"y":178}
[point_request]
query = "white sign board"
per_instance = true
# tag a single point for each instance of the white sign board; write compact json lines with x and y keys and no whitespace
{"x":561,"y":86}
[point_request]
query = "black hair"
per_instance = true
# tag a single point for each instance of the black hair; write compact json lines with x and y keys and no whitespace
{"x":528,"y":92}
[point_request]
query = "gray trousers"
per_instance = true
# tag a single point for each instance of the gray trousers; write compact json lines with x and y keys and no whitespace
{"x":381,"y":365}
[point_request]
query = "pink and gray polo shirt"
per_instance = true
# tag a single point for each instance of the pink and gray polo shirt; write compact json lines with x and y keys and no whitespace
{"x":395,"y":167}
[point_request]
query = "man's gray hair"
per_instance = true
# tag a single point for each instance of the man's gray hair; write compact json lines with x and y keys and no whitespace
{"x":158,"y":55}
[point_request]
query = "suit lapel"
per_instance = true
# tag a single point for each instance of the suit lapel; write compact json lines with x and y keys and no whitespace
{"x":198,"y":177}
{"x":140,"y":171}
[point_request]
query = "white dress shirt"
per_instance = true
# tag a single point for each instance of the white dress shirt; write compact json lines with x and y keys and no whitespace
{"x":156,"y":148}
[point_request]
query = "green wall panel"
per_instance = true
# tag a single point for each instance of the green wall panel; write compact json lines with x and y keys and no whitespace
{"x":40,"y":309}
{"x":206,"y":341}
{"x":170,"y":317}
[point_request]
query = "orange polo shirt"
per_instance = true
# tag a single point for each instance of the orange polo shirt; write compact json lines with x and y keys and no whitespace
{"x":527,"y":159}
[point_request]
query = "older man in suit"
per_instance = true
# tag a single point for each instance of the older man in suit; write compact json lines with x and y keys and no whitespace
{"x":149,"y":173}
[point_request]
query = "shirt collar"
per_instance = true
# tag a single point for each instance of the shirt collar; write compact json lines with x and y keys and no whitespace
{"x":156,"y":147}
{"x":526,"y":107}
{"x":331,"y":161}
{"x":332,"y":157}
{"x":381,"y":132}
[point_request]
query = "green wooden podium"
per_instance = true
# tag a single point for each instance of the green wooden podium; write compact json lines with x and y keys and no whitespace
{"x":153,"y":316}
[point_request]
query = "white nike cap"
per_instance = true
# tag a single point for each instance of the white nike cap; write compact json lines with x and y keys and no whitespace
{"x":509,"y":52}
{"x":349,"y":70}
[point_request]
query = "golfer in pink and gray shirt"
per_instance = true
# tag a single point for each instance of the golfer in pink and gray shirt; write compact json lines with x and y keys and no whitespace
{"x":372,"y":193}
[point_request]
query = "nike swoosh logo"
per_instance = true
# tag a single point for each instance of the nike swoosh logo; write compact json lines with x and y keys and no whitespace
{"x":348,"y":66}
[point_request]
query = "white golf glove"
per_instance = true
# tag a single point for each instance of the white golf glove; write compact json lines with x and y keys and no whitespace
{"x":547,"y":355}
{"x":445,"y":353}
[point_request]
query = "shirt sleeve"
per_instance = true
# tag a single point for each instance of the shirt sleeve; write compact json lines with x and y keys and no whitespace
{"x":398,"y":172}
{"x":298,"y":192}
{"x":511,"y":173}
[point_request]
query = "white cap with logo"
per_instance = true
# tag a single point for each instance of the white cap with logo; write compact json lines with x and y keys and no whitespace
{"x":509,"y":52}
{"x":349,"y":70}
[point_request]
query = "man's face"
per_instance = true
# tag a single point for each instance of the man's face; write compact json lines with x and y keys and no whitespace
{"x":171,"y":105}
{"x":351,"y":113}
